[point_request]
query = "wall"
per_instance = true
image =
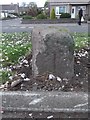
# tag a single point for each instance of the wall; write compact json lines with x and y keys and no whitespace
{"x":88,"y":9}
{"x":48,"y":21}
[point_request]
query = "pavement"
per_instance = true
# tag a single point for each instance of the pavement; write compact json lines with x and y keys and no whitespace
{"x":56,"y":104}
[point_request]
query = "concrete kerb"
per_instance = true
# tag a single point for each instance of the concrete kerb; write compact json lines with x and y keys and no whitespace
{"x":45,"y":101}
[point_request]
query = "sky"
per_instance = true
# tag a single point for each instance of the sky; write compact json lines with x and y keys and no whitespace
{"x":40,"y":3}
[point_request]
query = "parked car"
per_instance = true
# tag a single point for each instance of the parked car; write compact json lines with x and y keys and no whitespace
{"x":12,"y":16}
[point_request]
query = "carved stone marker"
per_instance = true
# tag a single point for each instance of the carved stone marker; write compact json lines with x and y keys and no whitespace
{"x":52,"y":51}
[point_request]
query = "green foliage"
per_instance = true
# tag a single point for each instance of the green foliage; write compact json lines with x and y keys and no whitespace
{"x":32,"y":5}
{"x":41,"y":16}
{"x":11,"y":55}
{"x":5,"y":75}
{"x":65,"y":15}
{"x":13,"y":47}
{"x":46,"y":11}
{"x":27,"y":17}
{"x":33,"y":9}
{"x":52,"y":14}
{"x":39,"y":11}
{"x":81,"y":40}
{"x":46,"y":4}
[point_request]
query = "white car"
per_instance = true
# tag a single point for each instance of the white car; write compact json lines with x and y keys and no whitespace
{"x":11,"y":15}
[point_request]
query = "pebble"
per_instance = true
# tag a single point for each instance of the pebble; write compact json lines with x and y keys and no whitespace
{"x":49,"y":117}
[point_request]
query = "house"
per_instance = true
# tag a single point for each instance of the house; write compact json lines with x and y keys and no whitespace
{"x":8,"y":8}
{"x":23,"y":10}
{"x":70,"y":6}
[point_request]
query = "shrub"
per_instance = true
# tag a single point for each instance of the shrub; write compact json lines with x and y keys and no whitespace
{"x":52,"y":14}
{"x":65,"y":15}
{"x":39,"y":11}
{"x":41,"y":16}
{"x":27,"y":17}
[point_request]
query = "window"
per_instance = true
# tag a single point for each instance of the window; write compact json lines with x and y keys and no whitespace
{"x":73,"y":10}
{"x":62,"y":9}
{"x":57,"y":10}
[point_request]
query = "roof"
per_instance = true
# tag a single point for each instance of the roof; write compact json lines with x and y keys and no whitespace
{"x":70,"y":1}
{"x":9,"y":7}
{"x":23,"y":9}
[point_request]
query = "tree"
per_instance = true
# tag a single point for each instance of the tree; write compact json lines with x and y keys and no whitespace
{"x":46,"y":5}
{"x":32,"y":5}
{"x":23,"y":4}
{"x":33,"y":10}
{"x":46,"y":8}
{"x":52,"y":14}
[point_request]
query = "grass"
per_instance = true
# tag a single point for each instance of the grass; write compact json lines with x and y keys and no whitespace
{"x":81,"y":40}
{"x":16,"y":46}
{"x":13,"y":47}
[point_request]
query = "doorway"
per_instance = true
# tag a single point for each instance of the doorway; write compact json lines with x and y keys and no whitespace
{"x":73,"y":12}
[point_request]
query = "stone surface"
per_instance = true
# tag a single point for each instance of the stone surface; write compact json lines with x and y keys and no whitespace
{"x":52,"y":52}
{"x":89,"y":28}
{"x":71,"y":104}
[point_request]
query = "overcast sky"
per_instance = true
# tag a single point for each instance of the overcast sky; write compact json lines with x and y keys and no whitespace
{"x":40,"y":3}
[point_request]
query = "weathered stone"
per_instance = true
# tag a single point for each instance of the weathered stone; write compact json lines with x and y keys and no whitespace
{"x":52,"y":52}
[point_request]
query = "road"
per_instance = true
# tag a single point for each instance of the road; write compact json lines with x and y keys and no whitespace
{"x":14,"y":25}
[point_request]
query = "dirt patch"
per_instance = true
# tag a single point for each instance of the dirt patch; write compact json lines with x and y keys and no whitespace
{"x":42,"y":82}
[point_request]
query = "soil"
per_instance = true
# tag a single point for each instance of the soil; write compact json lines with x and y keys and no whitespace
{"x":79,"y":82}
{"x":32,"y":115}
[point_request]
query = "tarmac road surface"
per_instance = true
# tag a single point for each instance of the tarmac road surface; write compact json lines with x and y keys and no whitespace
{"x":14,"y":25}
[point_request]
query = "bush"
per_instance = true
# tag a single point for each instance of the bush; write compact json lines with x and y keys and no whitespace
{"x":27,"y":17}
{"x":39,"y":11}
{"x":65,"y":15}
{"x":41,"y":16}
{"x":52,"y":15}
